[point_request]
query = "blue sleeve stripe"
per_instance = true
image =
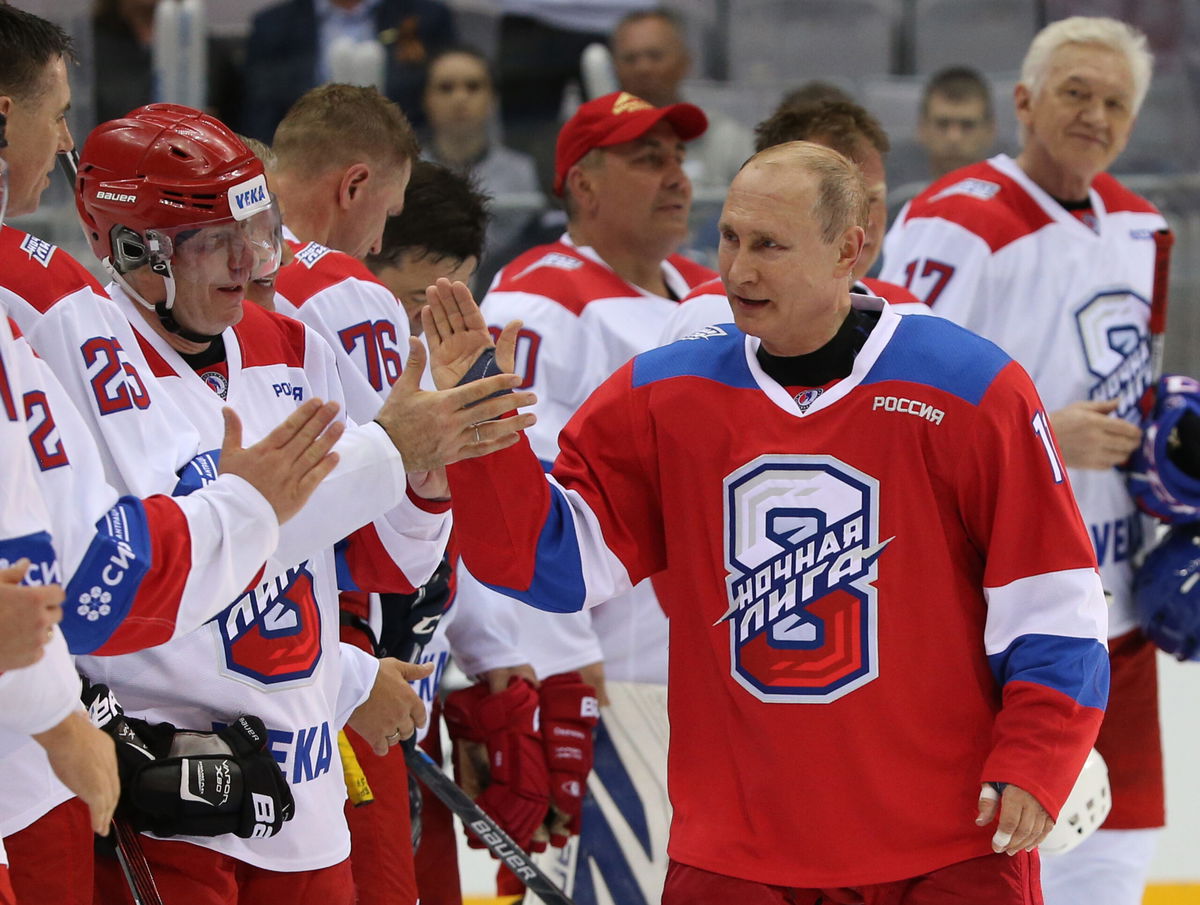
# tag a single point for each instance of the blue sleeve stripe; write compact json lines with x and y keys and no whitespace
{"x":44,"y":567}
{"x":201,"y":471}
{"x":558,"y":585}
{"x":1076,"y":667}
{"x":345,"y":575}
{"x":102,"y":590}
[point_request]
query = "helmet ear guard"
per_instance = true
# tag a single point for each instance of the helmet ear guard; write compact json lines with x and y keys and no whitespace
{"x":131,"y":250}
{"x":1164,"y":471}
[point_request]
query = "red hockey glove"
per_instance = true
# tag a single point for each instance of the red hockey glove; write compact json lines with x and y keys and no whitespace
{"x":510,"y":781}
{"x":569,"y":713}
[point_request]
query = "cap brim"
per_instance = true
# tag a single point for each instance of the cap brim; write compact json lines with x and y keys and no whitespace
{"x":687,"y":120}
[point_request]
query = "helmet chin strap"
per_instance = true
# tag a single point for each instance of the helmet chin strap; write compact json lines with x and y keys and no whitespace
{"x":163,"y":309}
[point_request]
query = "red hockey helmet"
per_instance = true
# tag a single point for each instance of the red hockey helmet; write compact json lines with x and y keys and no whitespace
{"x":158,"y":175}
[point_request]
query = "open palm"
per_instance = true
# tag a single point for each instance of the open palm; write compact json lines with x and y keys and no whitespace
{"x":457,"y":334}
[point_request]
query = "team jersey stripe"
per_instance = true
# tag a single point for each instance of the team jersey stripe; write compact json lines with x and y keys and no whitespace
{"x":557,"y":584}
{"x":695,"y":358}
{"x":101,"y":592}
{"x":1068,"y":603}
{"x":1075,"y":667}
{"x":39,"y":550}
{"x":940,"y":354}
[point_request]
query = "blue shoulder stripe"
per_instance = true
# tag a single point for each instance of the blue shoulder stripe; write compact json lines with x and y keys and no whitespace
{"x":714,"y":353}
{"x":1076,"y":667}
{"x":44,"y":567}
{"x":940,"y":354}
{"x":557,"y":585}
{"x":101,"y":591}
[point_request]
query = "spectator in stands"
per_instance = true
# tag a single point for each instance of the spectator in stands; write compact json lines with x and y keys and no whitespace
{"x":541,"y":42}
{"x":460,"y":103}
{"x":123,"y":35}
{"x":438,"y":234}
{"x":956,"y":126}
{"x":651,"y":59}
{"x":291,"y":43}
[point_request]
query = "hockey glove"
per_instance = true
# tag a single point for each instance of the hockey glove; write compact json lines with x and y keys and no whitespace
{"x":570,"y":712}
{"x":178,"y":782}
{"x":498,"y":757}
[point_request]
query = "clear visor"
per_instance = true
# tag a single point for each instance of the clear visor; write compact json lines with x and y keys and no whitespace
{"x":3,"y":189}
{"x":222,"y":251}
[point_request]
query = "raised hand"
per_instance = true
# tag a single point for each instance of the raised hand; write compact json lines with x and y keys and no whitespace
{"x":27,"y":613}
{"x":457,"y":333}
{"x":287,"y":464}
{"x":432,"y":429}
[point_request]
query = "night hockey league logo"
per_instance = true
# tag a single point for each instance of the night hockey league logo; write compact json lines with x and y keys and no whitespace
{"x":802,"y":536}
{"x":805,"y":399}
{"x":272,"y":633}
{"x":1116,"y":345}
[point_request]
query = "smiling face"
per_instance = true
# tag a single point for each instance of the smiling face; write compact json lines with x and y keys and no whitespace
{"x":786,"y":284}
{"x":37,"y":132}
{"x":1082,"y":115}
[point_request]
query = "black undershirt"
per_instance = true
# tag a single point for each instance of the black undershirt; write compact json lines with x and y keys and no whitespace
{"x":213,"y":355}
{"x":833,"y":361}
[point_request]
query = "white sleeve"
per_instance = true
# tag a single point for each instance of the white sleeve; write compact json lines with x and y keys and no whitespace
{"x":694,"y":315}
{"x":483,"y":631}
{"x":946,"y":266}
{"x":359,"y":670}
{"x":41,"y":696}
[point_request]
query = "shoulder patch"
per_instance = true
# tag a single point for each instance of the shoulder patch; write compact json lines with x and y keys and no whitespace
{"x":38,"y":250}
{"x":721,"y":359}
{"x":554,"y":259}
{"x":974,"y":188}
{"x":311,"y":253}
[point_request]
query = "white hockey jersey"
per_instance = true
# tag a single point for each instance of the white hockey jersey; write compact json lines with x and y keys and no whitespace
{"x":274,"y":651}
{"x":582,"y":322}
{"x":987,"y":248}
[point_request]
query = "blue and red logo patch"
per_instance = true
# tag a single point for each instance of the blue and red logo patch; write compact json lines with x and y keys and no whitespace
{"x":802,"y":536}
{"x":272,"y":633}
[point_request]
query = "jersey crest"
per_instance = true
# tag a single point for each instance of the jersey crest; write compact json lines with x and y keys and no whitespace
{"x":272,"y":633}
{"x":1116,"y":346}
{"x":802,"y":535}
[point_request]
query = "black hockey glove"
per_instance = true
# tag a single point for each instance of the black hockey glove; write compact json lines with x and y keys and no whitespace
{"x":177,"y":782}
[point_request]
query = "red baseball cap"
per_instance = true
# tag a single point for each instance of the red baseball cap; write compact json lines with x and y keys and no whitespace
{"x":616,"y":118}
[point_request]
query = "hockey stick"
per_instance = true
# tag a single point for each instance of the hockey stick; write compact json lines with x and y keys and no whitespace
{"x":484,"y":828}
{"x":1164,"y":240}
{"x":134,"y":865}
{"x":68,"y":161}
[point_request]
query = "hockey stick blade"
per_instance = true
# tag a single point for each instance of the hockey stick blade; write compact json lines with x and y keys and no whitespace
{"x":134,"y":865}
{"x":484,"y":828}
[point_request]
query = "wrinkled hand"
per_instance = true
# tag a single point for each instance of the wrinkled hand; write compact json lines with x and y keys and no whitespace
{"x":85,"y":759}
{"x":27,"y":613}
{"x":392,"y":711}
{"x":1090,"y":438}
{"x":433,"y":429}
{"x":1024,"y":823}
{"x":457,"y":333}
{"x":287,"y":464}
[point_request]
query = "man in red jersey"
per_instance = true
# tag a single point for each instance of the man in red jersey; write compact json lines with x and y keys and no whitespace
{"x":946,"y":620}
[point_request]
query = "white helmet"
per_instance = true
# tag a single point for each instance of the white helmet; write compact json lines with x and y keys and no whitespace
{"x":1084,"y":810}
